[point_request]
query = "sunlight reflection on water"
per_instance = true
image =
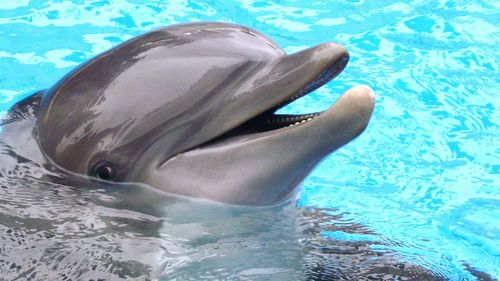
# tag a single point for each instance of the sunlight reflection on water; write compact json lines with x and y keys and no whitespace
{"x":424,"y":176}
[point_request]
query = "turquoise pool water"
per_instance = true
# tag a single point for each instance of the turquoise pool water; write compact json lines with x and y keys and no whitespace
{"x":424,"y":177}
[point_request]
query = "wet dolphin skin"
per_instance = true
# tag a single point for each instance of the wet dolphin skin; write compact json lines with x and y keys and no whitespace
{"x":190,"y":109}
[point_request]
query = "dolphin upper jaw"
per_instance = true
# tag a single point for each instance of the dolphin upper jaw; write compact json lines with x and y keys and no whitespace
{"x":274,"y":84}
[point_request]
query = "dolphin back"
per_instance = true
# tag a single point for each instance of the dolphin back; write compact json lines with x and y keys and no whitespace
{"x":26,"y":108}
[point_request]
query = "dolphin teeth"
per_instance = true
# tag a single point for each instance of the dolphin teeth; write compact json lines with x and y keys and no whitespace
{"x":273,"y":122}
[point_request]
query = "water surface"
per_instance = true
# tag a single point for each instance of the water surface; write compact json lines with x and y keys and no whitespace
{"x":416,"y":196}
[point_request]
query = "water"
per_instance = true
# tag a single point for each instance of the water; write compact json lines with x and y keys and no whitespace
{"x":416,"y":196}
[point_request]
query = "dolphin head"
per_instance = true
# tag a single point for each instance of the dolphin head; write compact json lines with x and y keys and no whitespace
{"x":190,"y":109}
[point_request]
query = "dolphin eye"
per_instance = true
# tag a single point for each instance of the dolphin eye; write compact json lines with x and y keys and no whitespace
{"x":103,"y":170}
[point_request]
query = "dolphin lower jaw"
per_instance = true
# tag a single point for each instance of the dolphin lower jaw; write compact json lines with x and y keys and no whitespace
{"x":264,"y":168}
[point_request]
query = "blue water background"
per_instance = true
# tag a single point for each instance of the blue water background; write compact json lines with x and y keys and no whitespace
{"x":424,"y":176}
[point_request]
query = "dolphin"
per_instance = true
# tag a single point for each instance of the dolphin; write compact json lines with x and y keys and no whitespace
{"x":190,"y":109}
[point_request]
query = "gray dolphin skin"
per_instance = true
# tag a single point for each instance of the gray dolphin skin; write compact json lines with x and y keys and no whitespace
{"x":189,"y":109}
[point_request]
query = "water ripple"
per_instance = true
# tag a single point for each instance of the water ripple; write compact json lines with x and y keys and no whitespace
{"x":419,"y":187}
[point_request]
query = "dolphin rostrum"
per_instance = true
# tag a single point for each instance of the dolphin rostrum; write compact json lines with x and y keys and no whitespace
{"x":189,"y":109}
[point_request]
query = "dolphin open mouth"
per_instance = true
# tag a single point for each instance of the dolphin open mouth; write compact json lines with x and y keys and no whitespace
{"x":269,"y":120}
{"x":262,"y":156}
{"x":261,"y":160}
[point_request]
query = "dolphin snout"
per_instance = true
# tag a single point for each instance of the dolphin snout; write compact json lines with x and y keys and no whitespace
{"x":343,"y":121}
{"x":355,"y":107}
